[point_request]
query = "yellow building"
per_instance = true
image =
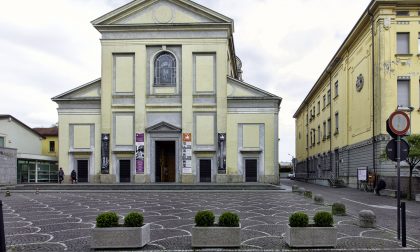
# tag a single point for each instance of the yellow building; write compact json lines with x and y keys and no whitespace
{"x":340,"y":125}
{"x":170,"y":106}
{"x":50,"y":140}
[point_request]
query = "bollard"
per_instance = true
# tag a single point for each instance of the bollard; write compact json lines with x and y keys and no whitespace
{"x":403,"y":226}
{"x":7,"y":193}
{"x":2,"y":235}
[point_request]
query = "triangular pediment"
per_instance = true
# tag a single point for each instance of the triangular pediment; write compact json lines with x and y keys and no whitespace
{"x":163,"y":127}
{"x":90,"y":90}
{"x":161,"y":11}
{"x":237,"y":88}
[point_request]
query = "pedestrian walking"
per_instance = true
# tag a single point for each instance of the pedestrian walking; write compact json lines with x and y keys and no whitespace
{"x":60,"y":175}
{"x":73,"y":177}
{"x":380,"y":186}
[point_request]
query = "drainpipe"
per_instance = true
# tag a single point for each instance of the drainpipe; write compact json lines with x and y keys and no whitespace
{"x":373,"y":90}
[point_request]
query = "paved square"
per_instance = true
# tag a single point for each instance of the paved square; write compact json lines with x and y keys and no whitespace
{"x":62,"y":221}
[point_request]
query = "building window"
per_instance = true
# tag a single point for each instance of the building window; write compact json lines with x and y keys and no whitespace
{"x":336,"y":123}
{"x":319,"y":107}
{"x":1,"y":141}
{"x":52,"y":146}
{"x":325,"y":130}
{"x":319,"y":134}
{"x":403,"y":93}
{"x":307,"y":141}
{"x":165,"y":70}
{"x":311,"y":138}
{"x":328,"y":96}
{"x":418,"y":44}
{"x":313,"y":111}
{"x":403,"y":13}
{"x":324,"y":101}
{"x":403,"y":45}
{"x":329,"y":127}
{"x":336,"y":89}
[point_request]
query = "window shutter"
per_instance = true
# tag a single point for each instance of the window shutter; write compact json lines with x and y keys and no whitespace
{"x":402,"y":43}
{"x":403,"y":97}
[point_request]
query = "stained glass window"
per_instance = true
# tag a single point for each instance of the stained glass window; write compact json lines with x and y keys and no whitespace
{"x":165,"y":70}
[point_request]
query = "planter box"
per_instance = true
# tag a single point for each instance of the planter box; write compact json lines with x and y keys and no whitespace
{"x":311,"y":237}
{"x":216,"y":237}
{"x":120,"y":237}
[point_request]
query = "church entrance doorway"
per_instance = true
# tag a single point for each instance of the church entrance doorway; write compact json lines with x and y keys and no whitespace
{"x":165,"y":161}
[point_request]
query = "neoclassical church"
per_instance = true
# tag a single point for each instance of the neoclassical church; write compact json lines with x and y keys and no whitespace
{"x":170,"y":105}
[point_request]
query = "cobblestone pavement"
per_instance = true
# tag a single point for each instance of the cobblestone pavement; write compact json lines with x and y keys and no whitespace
{"x":355,"y":200}
{"x":63,"y":221}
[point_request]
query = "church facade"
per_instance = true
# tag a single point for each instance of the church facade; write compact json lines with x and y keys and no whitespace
{"x":170,"y":105}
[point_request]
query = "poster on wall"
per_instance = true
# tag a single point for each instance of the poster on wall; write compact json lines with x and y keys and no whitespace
{"x":105,"y":154}
{"x":221,"y":153}
{"x":186,"y":153}
{"x":139,"y":153}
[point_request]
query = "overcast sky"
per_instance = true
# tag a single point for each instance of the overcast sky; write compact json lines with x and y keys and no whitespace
{"x":48,"y":47}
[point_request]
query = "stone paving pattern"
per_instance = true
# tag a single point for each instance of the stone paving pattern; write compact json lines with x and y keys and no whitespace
{"x":62,"y":221}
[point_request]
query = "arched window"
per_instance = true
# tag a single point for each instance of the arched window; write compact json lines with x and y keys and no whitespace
{"x":165,"y":70}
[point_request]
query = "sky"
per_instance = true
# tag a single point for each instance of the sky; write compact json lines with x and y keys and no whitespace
{"x":48,"y":47}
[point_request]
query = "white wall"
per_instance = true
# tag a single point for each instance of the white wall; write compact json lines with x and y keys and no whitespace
{"x":18,"y":137}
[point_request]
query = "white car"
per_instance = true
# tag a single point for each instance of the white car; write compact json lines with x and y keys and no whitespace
{"x":291,"y":176}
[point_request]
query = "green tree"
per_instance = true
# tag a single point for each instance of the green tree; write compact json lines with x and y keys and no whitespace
{"x":413,"y":159}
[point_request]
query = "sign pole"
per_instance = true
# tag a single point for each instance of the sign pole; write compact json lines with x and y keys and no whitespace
{"x":398,"y":188}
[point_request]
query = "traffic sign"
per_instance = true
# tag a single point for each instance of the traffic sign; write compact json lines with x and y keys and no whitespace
{"x":388,"y":129}
{"x":399,"y":123}
{"x":391,"y":150}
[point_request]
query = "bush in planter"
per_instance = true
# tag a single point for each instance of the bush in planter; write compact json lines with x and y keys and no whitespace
{"x":298,"y":219}
{"x":204,"y":219}
{"x":323,"y":219}
{"x":307,"y":194}
{"x":133,"y":219}
{"x":338,"y":209}
{"x":229,"y":219}
{"x":107,"y":219}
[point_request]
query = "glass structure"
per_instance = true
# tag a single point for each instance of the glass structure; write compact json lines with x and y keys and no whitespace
{"x":35,"y":171}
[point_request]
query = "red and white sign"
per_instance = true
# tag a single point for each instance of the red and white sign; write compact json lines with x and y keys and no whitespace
{"x":399,"y":123}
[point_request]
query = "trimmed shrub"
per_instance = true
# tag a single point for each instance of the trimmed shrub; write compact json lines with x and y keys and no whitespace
{"x":338,"y":209}
{"x":307,"y":194}
{"x":107,"y":219}
{"x":323,"y":219}
{"x":298,"y":219}
{"x":229,"y":219}
{"x":133,"y":219}
{"x":204,"y":219}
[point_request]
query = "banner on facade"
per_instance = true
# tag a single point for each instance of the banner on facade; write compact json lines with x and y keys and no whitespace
{"x":105,"y":154}
{"x":139,"y":153}
{"x":186,"y":153}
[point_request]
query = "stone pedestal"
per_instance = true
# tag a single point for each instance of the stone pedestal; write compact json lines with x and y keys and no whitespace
{"x":107,"y":178}
{"x":229,"y":178}
{"x":141,"y":179}
{"x":367,"y":219}
{"x":318,"y":199}
{"x":188,"y":179}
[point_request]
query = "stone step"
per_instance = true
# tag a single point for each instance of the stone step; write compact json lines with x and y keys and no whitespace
{"x":130,"y":186}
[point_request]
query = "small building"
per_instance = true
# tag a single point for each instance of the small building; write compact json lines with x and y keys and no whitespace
{"x":341,"y":123}
{"x":32,"y":165}
{"x":50,"y":141}
{"x":171,"y":104}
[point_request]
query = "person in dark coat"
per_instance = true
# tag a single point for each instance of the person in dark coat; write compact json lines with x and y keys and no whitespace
{"x":60,"y":175}
{"x":380,"y":186}
{"x":73,"y":177}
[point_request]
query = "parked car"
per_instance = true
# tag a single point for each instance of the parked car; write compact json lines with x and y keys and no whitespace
{"x":291,"y":176}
